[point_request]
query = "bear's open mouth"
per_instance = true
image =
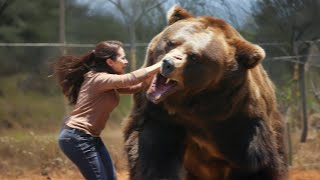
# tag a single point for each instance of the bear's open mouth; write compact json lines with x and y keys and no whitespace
{"x":160,"y":88}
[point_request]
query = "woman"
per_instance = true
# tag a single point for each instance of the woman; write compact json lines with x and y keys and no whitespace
{"x":92,"y":83}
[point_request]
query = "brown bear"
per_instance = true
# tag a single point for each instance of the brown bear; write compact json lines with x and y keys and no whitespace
{"x":211,"y":113}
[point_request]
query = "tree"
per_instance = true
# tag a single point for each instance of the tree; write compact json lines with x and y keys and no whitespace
{"x":291,"y":22}
{"x":35,"y":22}
{"x":315,"y":91}
{"x":4,"y":5}
{"x":312,"y":67}
{"x":132,"y":12}
{"x":38,"y":22}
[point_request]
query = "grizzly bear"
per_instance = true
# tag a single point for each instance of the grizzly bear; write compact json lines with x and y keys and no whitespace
{"x":211,"y":113}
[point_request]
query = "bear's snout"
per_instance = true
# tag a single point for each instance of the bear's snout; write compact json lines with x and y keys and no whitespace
{"x":167,"y":66}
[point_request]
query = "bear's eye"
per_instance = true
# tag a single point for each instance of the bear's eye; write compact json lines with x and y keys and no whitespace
{"x":170,"y":45}
{"x":193,"y":57}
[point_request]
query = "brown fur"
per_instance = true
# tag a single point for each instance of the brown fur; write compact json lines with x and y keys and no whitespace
{"x":221,"y":123}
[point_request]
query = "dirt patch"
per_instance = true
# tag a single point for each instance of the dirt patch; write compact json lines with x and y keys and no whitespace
{"x":295,"y":174}
{"x":22,"y":159}
{"x":66,"y":175}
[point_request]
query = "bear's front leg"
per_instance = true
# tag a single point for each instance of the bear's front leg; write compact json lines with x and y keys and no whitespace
{"x":161,"y":146}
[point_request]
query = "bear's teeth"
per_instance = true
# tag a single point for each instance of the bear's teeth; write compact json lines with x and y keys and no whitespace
{"x":168,"y":80}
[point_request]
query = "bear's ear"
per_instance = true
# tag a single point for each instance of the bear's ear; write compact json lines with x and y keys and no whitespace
{"x":177,"y":13}
{"x":247,"y":54}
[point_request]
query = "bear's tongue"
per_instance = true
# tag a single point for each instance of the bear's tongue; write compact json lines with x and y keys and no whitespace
{"x":160,"y":86}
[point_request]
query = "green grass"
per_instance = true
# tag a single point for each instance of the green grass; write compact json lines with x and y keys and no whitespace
{"x":28,"y":109}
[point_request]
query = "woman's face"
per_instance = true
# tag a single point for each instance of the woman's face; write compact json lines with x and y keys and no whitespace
{"x":119,"y":65}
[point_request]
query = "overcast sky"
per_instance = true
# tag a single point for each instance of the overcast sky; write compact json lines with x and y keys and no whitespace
{"x":236,"y":9}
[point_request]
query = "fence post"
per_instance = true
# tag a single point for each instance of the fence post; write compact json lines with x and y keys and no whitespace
{"x":62,"y":37}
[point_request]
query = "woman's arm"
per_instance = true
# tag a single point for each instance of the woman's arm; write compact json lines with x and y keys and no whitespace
{"x":105,"y":81}
{"x":131,"y":90}
{"x":136,"y":88}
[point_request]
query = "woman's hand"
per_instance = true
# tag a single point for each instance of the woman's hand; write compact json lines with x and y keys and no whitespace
{"x":155,"y":68}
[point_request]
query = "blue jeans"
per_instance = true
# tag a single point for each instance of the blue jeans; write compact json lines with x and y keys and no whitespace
{"x":88,"y":153}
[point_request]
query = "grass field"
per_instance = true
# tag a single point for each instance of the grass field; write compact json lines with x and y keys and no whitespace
{"x":31,"y":155}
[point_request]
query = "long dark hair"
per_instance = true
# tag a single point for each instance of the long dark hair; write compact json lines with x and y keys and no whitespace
{"x":69,"y":70}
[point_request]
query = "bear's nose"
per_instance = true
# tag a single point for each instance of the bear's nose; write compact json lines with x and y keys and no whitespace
{"x":167,"y":66}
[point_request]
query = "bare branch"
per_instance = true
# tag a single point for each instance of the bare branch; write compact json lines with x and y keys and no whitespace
{"x":245,"y":10}
{"x":5,"y":5}
{"x":145,"y":11}
{"x":230,"y":12}
{"x":314,"y":90}
{"x":119,"y":6}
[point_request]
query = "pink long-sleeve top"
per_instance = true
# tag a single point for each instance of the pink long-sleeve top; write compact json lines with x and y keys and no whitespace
{"x":98,"y":97}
